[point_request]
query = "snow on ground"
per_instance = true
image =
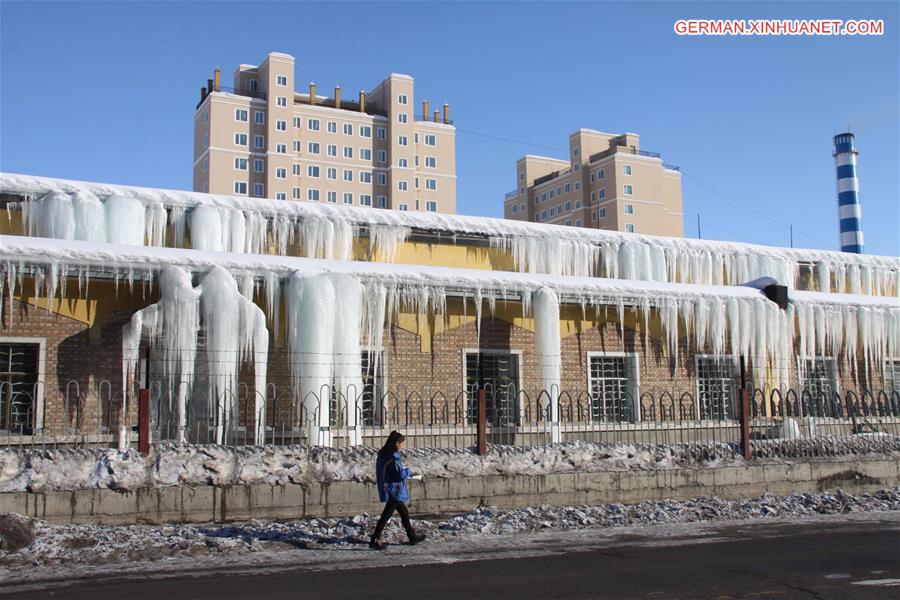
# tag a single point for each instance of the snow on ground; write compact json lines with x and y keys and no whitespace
{"x":85,"y":545}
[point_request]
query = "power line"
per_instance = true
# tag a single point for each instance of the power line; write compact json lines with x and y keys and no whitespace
{"x":511,"y":141}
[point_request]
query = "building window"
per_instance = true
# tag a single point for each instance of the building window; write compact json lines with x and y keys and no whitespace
{"x":332,"y":197}
{"x":431,"y":162}
{"x":401,"y":117}
{"x":403,"y":140}
{"x":296,"y":170}
{"x":297,"y":122}
{"x":403,"y":206}
{"x":365,"y":176}
{"x":382,"y":156}
{"x":382,"y":179}
{"x":241,"y":114}
{"x":568,"y":187}
{"x":365,"y":154}
{"x":593,"y":196}
{"x":331,"y":127}
{"x":348,"y":198}
{"x":515,"y":208}
{"x":592,"y":178}
{"x":431,"y":184}
{"x":626,"y":169}
{"x":332,"y":173}
{"x":259,"y":165}
{"x":312,"y":195}
{"x":402,"y":99}
{"x":312,"y":124}
{"x":577,"y":222}
{"x":593,"y":215}
{"x":348,"y":175}
{"x":259,"y":190}
{"x":295,"y":193}
{"x":312,"y":171}
{"x":240,"y":139}
{"x":575,"y":151}
{"x":431,"y":206}
{"x":348,"y":129}
{"x":281,"y":125}
{"x":259,"y":141}
{"x":629,"y":227}
{"x":382,"y":133}
{"x":280,"y":173}
{"x":430,"y":139}
{"x":280,"y":196}
{"x":281,"y":148}
{"x":402,"y":185}
{"x":499,"y":373}
{"x":348,"y":152}
{"x":240,"y":164}
{"x":577,"y":185}
{"x":544,"y":215}
{"x":818,"y":386}
{"x":627,"y":189}
{"x":716,"y":387}
{"x":568,"y":206}
{"x":252,"y":85}
{"x":612,"y":381}
{"x":365,"y":200}
{"x":578,"y":204}
{"x":281,"y":101}
{"x":18,"y":387}
{"x":205,"y":164}
{"x":281,"y":80}
{"x":402,"y":163}
{"x":601,"y":174}
{"x":372,"y":388}
{"x":365,"y":131}
{"x":602,"y":213}
{"x":629,"y":209}
{"x":601,"y":193}
{"x":332,"y":149}
{"x":891,"y":377}
{"x":240,"y":187}
{"x":297,"y":145}
{"x":312,"y":147}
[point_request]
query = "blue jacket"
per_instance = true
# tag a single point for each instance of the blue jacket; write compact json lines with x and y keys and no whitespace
{"x":391,"y":476}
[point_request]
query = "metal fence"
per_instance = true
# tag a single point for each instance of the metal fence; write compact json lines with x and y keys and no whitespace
{"x":777,"y":422}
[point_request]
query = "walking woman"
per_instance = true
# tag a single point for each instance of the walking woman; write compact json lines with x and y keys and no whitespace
{"x":391,"y":476}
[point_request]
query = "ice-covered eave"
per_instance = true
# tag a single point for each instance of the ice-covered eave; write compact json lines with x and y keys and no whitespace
{"x":443,"y":225}
{"x":141,"y":262}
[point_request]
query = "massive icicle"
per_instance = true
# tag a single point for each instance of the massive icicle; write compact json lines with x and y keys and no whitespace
{"x":545,"y":305}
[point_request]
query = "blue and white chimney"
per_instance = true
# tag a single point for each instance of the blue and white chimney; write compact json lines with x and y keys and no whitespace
{"x":849,"y":209}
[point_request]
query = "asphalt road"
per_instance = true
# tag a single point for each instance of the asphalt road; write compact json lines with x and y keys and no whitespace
{"x":830,"y":559}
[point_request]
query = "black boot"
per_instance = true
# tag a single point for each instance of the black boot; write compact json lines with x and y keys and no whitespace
{"x":417,"y":538}
{"x":374,"y":544}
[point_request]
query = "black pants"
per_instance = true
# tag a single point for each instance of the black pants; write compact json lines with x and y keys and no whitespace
{"x":389,"y":507}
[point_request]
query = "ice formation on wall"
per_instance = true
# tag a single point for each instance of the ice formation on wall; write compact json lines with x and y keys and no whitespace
{"x":235,"y":334}
{"x":545,"y":305}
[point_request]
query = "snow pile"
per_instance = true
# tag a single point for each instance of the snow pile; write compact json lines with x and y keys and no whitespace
{"x":109,"y":544}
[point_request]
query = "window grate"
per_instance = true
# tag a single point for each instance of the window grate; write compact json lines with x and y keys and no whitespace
{"x":611,"y":385}
{"x":18,"y":381}
{"x":498,"y":374}
{"x":716,"y":387}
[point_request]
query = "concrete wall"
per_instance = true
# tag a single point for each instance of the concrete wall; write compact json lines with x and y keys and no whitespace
{"x":232,"y":503}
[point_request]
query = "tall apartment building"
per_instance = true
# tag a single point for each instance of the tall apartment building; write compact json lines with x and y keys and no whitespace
{"x":263,"y":139}
{"x":608,"y":182}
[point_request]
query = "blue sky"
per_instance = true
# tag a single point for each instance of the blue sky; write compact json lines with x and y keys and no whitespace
{"x":106,"y":91}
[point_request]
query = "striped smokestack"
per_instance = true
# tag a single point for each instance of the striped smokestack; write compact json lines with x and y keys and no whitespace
{"x":849,"y":210}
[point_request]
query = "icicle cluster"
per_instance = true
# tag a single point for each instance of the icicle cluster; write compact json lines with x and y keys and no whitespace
{"x":82,"y":216}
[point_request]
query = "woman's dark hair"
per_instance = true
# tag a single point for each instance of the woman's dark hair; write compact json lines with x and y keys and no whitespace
{"x":390,"y":446}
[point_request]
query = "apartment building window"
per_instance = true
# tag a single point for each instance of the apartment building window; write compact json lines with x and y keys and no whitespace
{"x":401,"y":117}
{"x":240,"y":187}
{"x":259,"y":190}
{"x":552,"y":211}
{"x":312,"y":124}
{"x":416,"y":182}
{"x":365,"y":200}
{"x":552,"y":193}
{"x":559,"y":191}
{"x":295,"y":193}
{"x":627,"y":189}
{"x":578,"y":204}
{"x":431,"y":206}
{"x":601,"y":174}
{"x":402,"y":163}
{"x":241,"y":114}
{"x":629,"y":209}
{"x":403,"y":140}
{"x":499,"y":372}
{"x":281,"y":101}
{"x":403,"y":206}
{"x":331,"y":127}
{"x":382,"y":133}
{"x":568,"y":187}
{"x":577,"y":222}
{"x":577,"y":167}
{"x":348,"y":129}
{"x":240,"y":139}
{"x":568,"y":222}
{"x":431,"y":162}
{"x":297,"y":122}
{"x":629,"y":227}
{"x":204,"y":164}
{"x":259,"y":142}
{"x":259,"y":165}
{"x":416,"y":141}
{"x":430,"y":140}
{"x":281,"y":80}
{"x":332,"y":197}
{"x":296,"y":170}
{"x":332,"y":173}
{"x":19,"y":378}
{"x":348,"y":198}
{"x":402,"y":99}
{"x":280,"y":196}
{"x":431,"y":184}
{"x":716,"y":387}
{"x":252,"y":85}
{"x":332,"y":149}
{"x":593,"y":215}
{"x":281,"y":173}
{"x":240,"y":164}
{"x":382,"y":156}
{"x":593,"y":177}
{"x":544,"y":215}
{"x":281,"y":148}
{"x":206,"y":140}
{"x":382,"y":179}
{"x":348,"y":175}
{"x":612,"y":381}
{"x":577,"y":185}
{"x":601,"y":193}
{"x":312,"y":147}
{"x":593,"y":196}
{"x":365,"y":131}
{"x":568,"y":206}
{"x":365,"y":176}
{"x":281,"y":125}
{"x":575,"y":151}
{"x":298,"y":145}
{"x":365,"y":154}
{"x":521,"y":190}
{"x":521,"y":176}
{"x":312,"y":171}
{"x":626,"y":169}
{"x":402,"y":185}
{"x":348,"y":152}
{"x":515,"y":208}
{"x":603,"y":213}
{"x":312,"y":195}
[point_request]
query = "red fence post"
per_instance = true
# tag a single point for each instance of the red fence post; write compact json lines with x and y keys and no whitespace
{"x":745,"y":423}
{"x":482,"y":422}
{"x":144,"y":422}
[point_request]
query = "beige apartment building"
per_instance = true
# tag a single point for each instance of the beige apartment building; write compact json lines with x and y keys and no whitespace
{"x":608,"y":182}
{"x":263,"y":139}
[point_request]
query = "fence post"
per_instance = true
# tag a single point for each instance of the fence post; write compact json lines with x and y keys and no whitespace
{"x":144,"y":422}
{"x":745,"y":412}
{"x":482,"y":422}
